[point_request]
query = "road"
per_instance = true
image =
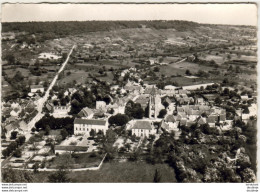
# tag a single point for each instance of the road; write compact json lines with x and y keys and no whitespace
{"x":42,"y":100}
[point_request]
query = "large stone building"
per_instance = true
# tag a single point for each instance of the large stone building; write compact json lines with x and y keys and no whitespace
{"x":84,"y":126}
{"x":142,"y":128}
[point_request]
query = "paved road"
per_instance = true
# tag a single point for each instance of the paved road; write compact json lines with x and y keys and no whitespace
{"x":42,"y":100}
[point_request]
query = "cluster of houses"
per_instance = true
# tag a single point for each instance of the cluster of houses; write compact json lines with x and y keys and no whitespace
{"x":181,"y":111}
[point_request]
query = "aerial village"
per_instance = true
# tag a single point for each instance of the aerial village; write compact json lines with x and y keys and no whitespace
{"x":86,"y":111}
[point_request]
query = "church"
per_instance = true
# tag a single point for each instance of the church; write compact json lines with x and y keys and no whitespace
{"x":155,"y":104}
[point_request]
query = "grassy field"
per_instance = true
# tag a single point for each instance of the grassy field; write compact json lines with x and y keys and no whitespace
{"x":80,"y":160}
{"x":126,"y":172}
{"x":114,"y":172}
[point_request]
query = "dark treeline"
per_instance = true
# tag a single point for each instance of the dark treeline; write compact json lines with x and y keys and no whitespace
{"x":66,"y":28}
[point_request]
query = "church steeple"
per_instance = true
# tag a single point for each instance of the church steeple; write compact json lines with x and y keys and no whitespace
{"x":154,"y":100}
{"x":153,"y":91}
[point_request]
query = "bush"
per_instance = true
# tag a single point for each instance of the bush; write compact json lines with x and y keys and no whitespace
{"x":21,"y":140}
{"x":14,"y":134}
{"x":18,"y":153}
{"x":93,"y":154}
{"x":162,"y":113}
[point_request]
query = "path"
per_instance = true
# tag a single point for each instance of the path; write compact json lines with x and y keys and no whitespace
{"x":180,"y":61}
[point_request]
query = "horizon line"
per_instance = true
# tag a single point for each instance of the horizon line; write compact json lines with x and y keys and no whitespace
{"x":128,"y":21}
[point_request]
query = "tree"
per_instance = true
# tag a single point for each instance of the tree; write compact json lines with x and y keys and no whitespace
{"x":188,"y":72}
{"x":118,"y":119}
{"x":21,"y":140}
{"x":162,"y":113}
{"x":33,"y":129}
{"x":110,"y":151}
{"x":92,"y":133}
{"x":246,"y":110}
{"x":5,"y":152}
{"x":229,"y":56}
{"x":138,"y":113}
{"x":60,"y":176}
{"x":157,"y":176}
{"x":35,"y":167}
{"x":64,"y":160}
{"x":218,"y":100}
{"x":18,"y":153}
{"x":13,"y":134}
{"x":225,"y":81}
{"x":165,"y":104}
{"x":52,"y":148}
{"x":134,"y":110}
{"x":156,"y":69}
{"x":68,"y":73}
{"x":45,"y":84}
{"x":16,"y":176}
{"x":12,"y":146}
{"x":10,"y":59}
{"x":64,"y":134}
{"x":47,"y":130}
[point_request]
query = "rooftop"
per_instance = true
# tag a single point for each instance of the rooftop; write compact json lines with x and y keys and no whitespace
{"x":90,"y":121}
{"x":36,"y":86}
{"x":142,"y":125}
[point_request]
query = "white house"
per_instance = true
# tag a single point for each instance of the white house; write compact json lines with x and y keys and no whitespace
{"x":60,"y":110}
{"x":143,"y":128}
{"x":101,"y":105}
{"x":35,"y":88}
{"x":84,"y":126}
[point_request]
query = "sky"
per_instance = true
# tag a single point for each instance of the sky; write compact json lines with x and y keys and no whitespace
{"x":233,"y":14}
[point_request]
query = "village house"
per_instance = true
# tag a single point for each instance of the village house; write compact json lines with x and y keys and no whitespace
{"x":35,"y":88}
{"x":118,"y":107}
{"x":101,"y":105}
{"x":169,"y":92}
{"x":142,"y":128}
{"x":86,"y":113}
{"x":171,"y":122}
{"x":84,"y":126}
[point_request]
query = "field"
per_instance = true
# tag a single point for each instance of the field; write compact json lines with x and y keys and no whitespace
{"x":125,"y":172}
{"x":114,"y":172}
{"x":80,"y":160}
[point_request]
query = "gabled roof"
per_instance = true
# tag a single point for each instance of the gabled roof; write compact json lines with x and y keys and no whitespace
{"x":195,"y":112}
{"x":142,"y":125}
{"x":49,"y":106}
{"x":202,"y":121}
{"x":36,"y":86}
{"x":164,"y":125}
{"x":179,"y":117}
{"x":211,"y":119}
{"x":85,"y":112}
{"x":222,"y":117}
{"x":183,"y":122}
{"x":180,"y":109}
{"x":168,"y":100}
{"x":189,"y":123}
{"x":182,"y":114}
{"x":170,"y":118}
{"x":90,"y":121}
